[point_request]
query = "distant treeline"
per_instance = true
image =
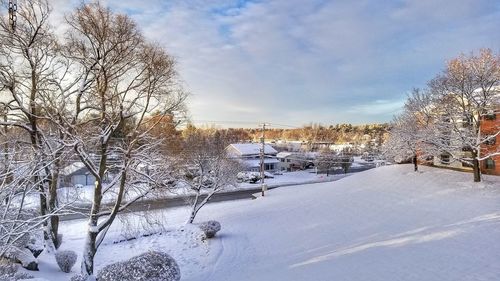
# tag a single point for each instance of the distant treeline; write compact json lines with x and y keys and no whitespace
{"x":340,"y":133}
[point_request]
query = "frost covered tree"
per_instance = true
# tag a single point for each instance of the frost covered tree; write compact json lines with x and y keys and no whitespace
{"x":403,"y":140}
{"x":411,"y":129}
{"x":464,"y":94}
{"x":206,"y":168}
{"x":326,"y":161}
{"x":19,"y":216}
{"x":122,"y":79}
{"x":29,"y":65}
{"x":446,"y":120}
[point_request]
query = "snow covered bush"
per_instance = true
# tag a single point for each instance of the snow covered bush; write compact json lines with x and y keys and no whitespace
{"x":66,"y":260}
{"x":7,"y":269}
{"x":22,"y":256}
{"x":9,"y":272}
{"x":210,"y":228}
{"x":36,"y":243}
{"x":150,"y":266}
{"x":15,"y":230}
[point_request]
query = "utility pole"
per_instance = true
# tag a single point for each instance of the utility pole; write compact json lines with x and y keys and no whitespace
{"x":262,"y":157}
{"x":12,"y":14}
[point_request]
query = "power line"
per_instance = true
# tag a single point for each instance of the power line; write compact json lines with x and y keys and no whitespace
{"x":241,"y":122}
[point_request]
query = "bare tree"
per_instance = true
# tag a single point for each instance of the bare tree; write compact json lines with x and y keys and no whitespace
{"x":206,"y":168}
{"x":326,"y":161}
{"x":411,"y":129}
{"x":28,"y":65}
{"x":123,"y":79}
{"x":19,"y":217}
{"x":465,"y":93}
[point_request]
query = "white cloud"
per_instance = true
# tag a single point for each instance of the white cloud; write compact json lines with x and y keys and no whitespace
{"x":293,"y":61}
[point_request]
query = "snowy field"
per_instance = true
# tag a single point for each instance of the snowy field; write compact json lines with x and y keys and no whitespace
{"x":387,"y":223}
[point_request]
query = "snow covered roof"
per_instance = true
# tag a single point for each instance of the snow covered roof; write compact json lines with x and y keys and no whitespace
{"x":251,"y":149}
{"x":72,"y":168}
{"x":284,"y":154}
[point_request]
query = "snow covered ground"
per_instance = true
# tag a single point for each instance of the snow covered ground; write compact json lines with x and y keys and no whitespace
{"x":384,"y":224}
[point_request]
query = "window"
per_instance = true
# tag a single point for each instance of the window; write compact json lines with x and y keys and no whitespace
{"x":445,"y":159}
{"x":489,"y":164}
{"x":268,"y":167}
{"x":288,"y":160}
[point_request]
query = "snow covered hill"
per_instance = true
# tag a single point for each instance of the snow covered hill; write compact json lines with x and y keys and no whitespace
{"x":384,"y":224}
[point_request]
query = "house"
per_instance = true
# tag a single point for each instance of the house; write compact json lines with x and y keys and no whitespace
{"x":248,"y":154}
{"x":289,"y":161}
{"x":76,"y":174}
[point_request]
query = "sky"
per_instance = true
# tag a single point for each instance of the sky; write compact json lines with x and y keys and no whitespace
{"x":294,"y":62}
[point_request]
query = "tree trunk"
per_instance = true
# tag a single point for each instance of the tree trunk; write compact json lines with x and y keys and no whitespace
{"x":89,"y":253}
{"x":195,"y":208}
{"x":477,"y":170}
{"x":54,"y":220}
{"x":192,"y":216}
{"x":415,"y":163}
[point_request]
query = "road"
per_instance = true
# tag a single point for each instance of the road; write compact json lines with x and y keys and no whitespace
{"x":81,"y":212}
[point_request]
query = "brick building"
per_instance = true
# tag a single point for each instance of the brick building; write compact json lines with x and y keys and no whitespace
{"x":490,"y":125}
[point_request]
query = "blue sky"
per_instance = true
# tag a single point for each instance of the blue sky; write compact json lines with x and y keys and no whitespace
{"x":295,"y":62}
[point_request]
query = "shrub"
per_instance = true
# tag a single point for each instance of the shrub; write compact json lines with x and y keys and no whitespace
{"x":36,"y":243}
{"x":22,"y":256}
{"x":9,"y":271}
{"x":66,"y":260}
{"x":150,"y":266}
{"x":210,"y":228}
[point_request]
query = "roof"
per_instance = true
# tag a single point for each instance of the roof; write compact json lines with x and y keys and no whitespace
{"x":73,"y":168}
{"x":284,"y":154}
{"x":252,"y":149}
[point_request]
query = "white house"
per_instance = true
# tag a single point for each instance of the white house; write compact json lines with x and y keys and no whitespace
{"x":249,"y":155}
{"x":76,"y":174}
{"x":290,"y":161}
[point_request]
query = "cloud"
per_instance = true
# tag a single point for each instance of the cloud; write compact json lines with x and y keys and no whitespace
{"x":295,"y":62}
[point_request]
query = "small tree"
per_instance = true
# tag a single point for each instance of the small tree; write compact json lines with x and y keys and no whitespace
{"x":345,"y":162}
{"x":326,"y":161}
{"x":404,"y":139}
{"x":206,"y":168}
{"x":19,"y":219}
